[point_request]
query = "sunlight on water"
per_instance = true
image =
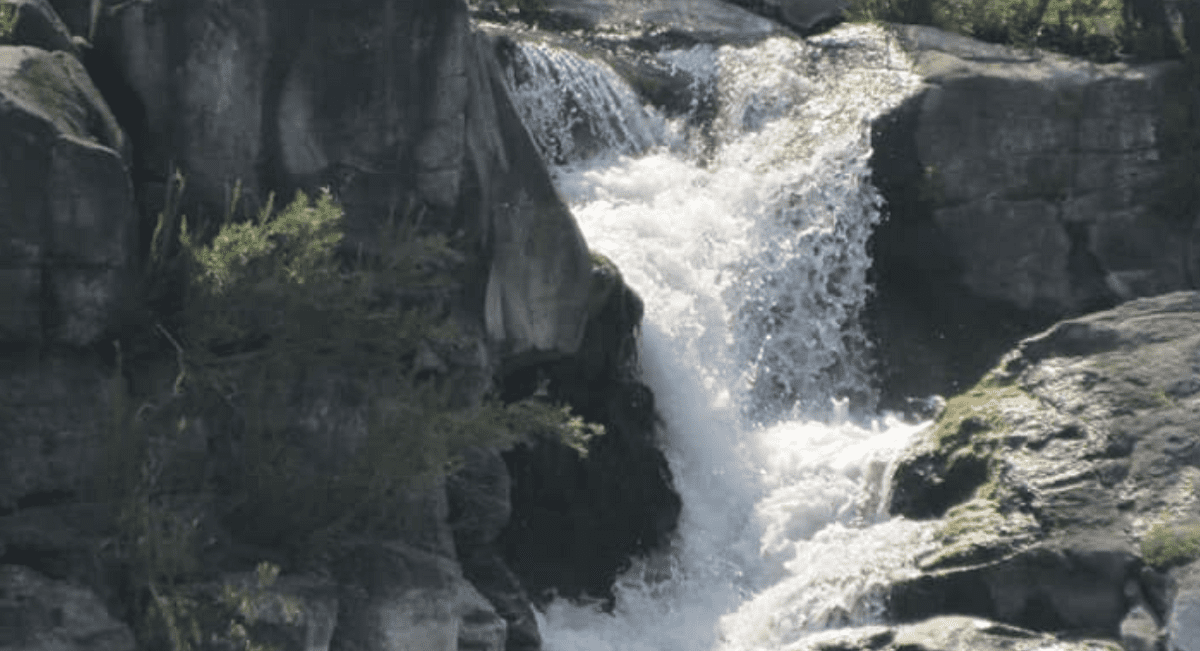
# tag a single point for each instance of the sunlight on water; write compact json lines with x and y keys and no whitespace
{"x":748,"y":243}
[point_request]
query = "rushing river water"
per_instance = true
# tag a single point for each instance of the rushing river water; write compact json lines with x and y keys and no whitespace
{"x":747,"y":239}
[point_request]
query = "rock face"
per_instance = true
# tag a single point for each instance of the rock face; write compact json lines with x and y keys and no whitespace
{"x":40,"y":613}
{"x":400,"y":109}
{"x":695,"y":21}
{"x":68,"y":235}
{"x":272,"y":97}
{"x":1021,"y":188}
{"x":38,"y":25}
{"x":1065,"y":480}
{"x":586,"y":516}
{"x":950,"y":633}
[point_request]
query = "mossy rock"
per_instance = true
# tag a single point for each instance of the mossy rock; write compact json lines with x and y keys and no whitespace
{"x":958,"y":453}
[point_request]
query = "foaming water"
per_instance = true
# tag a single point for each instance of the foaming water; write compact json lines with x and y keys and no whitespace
{"x":748,"y":243}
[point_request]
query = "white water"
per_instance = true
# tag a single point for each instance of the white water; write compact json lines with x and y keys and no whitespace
{"x":749,"y":250}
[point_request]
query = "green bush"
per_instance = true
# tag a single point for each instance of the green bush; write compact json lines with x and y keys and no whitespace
{"x":261,"y":306}
{"x":1096,"y":29}
{"x":8,"y":20}
{"x":1168,"y":545}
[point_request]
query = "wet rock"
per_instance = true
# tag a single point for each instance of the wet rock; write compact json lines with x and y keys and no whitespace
{"x":1082,"y":477}
{"x":478,"y":495}
{"x":41,"y":613}
{"x":67,"y":242}
{"x":1022,"y":188}
{"x":576,"y":521}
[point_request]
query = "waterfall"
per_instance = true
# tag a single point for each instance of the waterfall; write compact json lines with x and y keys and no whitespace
{"x":747,"y":240}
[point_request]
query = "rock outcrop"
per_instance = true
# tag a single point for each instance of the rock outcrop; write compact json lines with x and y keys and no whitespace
{"x":948,"y":633}
{"x":400,"y":109}
{"x":41,"y":613}
{"x":576,"y":520}
{"x":268,"y":97}
{"x":1022,"y":188}
{"x":68,"y":235}
{"x":705,"y":21}
{"x":1065,"y":481}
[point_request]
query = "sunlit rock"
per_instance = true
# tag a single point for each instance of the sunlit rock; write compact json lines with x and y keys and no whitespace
{"x":1063,"y":473}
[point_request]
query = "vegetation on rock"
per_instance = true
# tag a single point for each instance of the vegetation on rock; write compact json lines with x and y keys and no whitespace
{"x":1097,"y":29}
{"x":8,"y":20}
{"x":1170,"y":544}
{"x":272,"y":307}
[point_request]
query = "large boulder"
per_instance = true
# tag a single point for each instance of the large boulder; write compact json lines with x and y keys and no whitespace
{"x":270,"y":96}
{"x":37,"y":24}
{"x":577,"y":520}
{"x":1065,"y":480}
{"x":68,"y":231}
{"x":1022,"y":187}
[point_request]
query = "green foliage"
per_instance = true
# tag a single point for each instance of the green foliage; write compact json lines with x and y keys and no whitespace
{"x":1167,"y":545}
{"x":8,"y":20}
{"x":1096,"y":29}
{"x":266,"y":309}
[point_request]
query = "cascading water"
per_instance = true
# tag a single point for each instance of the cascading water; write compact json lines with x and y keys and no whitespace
{"x":747,"y":241}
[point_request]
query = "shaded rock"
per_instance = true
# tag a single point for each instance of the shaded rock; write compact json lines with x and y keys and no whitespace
{"x":41,"y":613}
{"x":52,"y":415}
{"x":61,"y":542}
{"x":1021,"y":188}
{"x":394,"y":596}
{"x":39,"y":26}
{"x":485,"y":568}
{"x":1080,"y":474}
{"x":576,"y":521}
{"x":79,"y":16}
{"x":67,"y":242}
{"x":478,"y":495}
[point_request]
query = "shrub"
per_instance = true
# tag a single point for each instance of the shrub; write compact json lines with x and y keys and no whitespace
{"x":260,"y":306}
{"x":270,"y":302}
{"x":1168,"y":545}
{"x":8,"y":20}
{"x":1096,"y":29}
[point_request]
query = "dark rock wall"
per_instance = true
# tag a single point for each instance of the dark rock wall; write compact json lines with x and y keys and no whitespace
{"x":399,"y":109}
{"x":1022,"y":188}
